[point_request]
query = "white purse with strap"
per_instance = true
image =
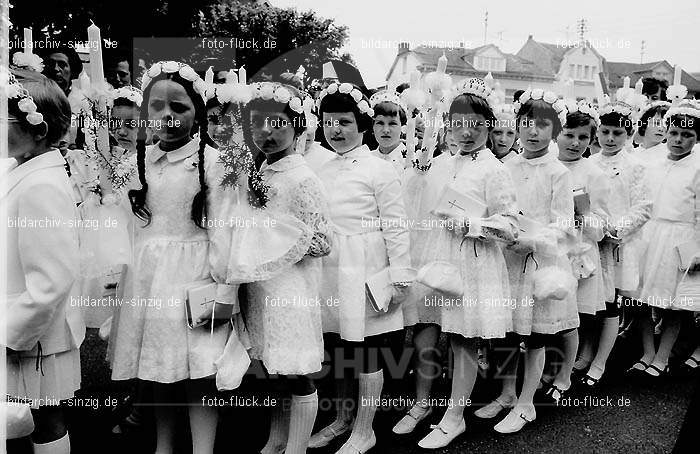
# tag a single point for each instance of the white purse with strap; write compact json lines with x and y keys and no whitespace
{"x":442,"y":276}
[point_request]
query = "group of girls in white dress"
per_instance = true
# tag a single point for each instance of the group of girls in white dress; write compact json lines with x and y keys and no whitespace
{"x":343,"y":247}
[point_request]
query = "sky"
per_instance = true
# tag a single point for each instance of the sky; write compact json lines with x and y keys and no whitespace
{"x":671,"y":28}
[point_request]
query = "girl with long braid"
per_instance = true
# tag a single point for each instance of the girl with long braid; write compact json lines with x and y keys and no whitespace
{"x":177,"y":203}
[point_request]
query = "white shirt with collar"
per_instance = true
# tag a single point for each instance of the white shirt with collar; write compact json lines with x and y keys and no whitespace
{"x":42,"y":257}
{"x":369,"y":220}
{"x":395,"y":157}
{"x":317,"y":156}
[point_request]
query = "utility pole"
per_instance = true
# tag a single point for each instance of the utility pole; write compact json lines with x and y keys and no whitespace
{"x":582,"y":29}
{"x":641,"y":53}
{"x":486,"y":25}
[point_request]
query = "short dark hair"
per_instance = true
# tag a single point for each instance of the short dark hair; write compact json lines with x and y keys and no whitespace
{"x":517,"y":94}
{"x":648,"y":115}
{"x":470,"y":104}
{"x":651,"y":85}
{"x":390,"y":109}
{"x":685,"y":122}
{"x":343,"y":102}
{"x":50,"y":102}
{"x":539,"y":108}
{"x":578,"y":119}
{"x":617,"y":120}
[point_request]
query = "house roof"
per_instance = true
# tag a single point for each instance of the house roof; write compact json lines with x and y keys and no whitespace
{"x":616,"y":71}
{"x":549,"y":56}
{"x":461,"y":59}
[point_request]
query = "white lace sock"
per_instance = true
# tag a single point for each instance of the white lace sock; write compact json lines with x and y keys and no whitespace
{"x":60,"y":446}
{"x":279,"y":430}
{"x":370,"y":392}
{"x":303,"y":415}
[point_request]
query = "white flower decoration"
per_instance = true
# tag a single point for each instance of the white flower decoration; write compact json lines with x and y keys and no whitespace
{"x":32,"y":61}
{"x":12,"y":90}
{"x":171,"y":66}
{"x":282,"y":95}
{"x":154,"y":70}
{"x":187,"y":73}
{"x":363,"y":106}
{"x":537,"y":93}
{"x":296,"y":105}
{"x":345,"y":88}
{"x":332,"y":88}
{"x":356,"y":95}
{"x":26,"y":105}
{"x":525,"y":96}
{"x":308,"y":104}
{"x":35,"y":118}
{"x":200,"y":86}
{"x":549,"y":97}
{"x":266,"y":91}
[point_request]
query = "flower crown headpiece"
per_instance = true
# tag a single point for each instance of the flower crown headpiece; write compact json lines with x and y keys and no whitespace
{"x":387,"y":96}
{"x":584,"y":107}
{"x":650,"y":105}
{"x":129,"y":92}
{"x":627,"y":102}
{"x":476,"y":87}
{"x":26,"y":104}
{"x":348,"y":89}
{"x":279,"y":93}
{"x":549,"y":97}
{"x":170,"y":67}
{"x":28,"y":61}
{"x":686,"y":107}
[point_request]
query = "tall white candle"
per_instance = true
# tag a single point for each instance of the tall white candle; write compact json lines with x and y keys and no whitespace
{"x":638,"y":86}
{"x":209,"y":76}
{"x":84,"y":81}
{"x":442,"y":64}
{"x":28,"y":41}
{"x":97,"y":75}
{"x":242,"y":75}
{"x":626,"y":82}
{"x":677,"y":75}
{"x":231,"y":77}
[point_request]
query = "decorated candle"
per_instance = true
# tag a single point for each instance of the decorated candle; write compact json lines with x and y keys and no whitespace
{"x":442,"y":64}
{"x":28,"y":42}
{"x":242,"y":75}
{"x":231,"y":77}
{"x":677,"y":75}
{"x":209,"y":76}
{"x":95,"y":41}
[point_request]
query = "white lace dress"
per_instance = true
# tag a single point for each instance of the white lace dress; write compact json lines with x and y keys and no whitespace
{"x":630,"y":208}
{"x":283,"y":314}
{"x":152,"y":340}
{"x":485,"y":309}
{"x":592,"y":293}
{"x":544,"y":190}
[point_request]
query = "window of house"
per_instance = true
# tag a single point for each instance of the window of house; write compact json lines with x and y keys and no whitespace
{"x":572,"y":72}
{"x":587,"y":72}
{"x":579,"y":71}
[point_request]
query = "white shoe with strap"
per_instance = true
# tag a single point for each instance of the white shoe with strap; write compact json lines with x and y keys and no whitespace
{"x":408,"y":423}
{"x":439,"y":437}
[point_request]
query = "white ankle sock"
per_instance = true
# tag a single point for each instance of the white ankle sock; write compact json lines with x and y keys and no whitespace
{"x":60,"y":446}
{"x":302,"y":417}
{"x":370,"y":392}
{"x":279,"y":430}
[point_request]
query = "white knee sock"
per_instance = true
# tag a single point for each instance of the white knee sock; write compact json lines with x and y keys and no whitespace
{"x":370,"y":393}
{"x":279,"y":430}
{"x":60,"y":446}
{"x":303,"y":415}
{"x":608,"y":336}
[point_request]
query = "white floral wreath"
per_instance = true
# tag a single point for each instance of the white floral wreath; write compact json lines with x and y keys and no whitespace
{"x":584,"y":107}
{"x":619,"y":107}
{"x":686,"y":107}
{"x":476,"y":87}
{"x":31,"y":61}
{"x":280,"y":94}
{"x":130,"y":93}
{"x":549,"y":97}
{"x":26,"y":103}
{"x":387,"y":96}
{"x":648,"y":106}
{"x":347,"y":88}
{"x":675,"y":93}
{"x":185,"y":71}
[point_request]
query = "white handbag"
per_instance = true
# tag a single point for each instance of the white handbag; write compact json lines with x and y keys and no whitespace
{"x":442,"y":276}
{"x":553,"y":283}
{"x":688,"y":292}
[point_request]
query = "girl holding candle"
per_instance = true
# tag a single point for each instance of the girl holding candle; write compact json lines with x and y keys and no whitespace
{"x":359,"y":186}
{"x":44,"y":330}
{"x":469,"y":242}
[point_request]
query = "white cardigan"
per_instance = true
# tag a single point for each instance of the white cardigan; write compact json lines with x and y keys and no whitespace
{"x":42,"y":257}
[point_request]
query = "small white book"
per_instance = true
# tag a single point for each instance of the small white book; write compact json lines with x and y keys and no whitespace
{"x":455,"y":203}
{"x":686,"y":252}
{"x":201,"y":296}
{"x":379,"y":289}
{"x":582,"y":202}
